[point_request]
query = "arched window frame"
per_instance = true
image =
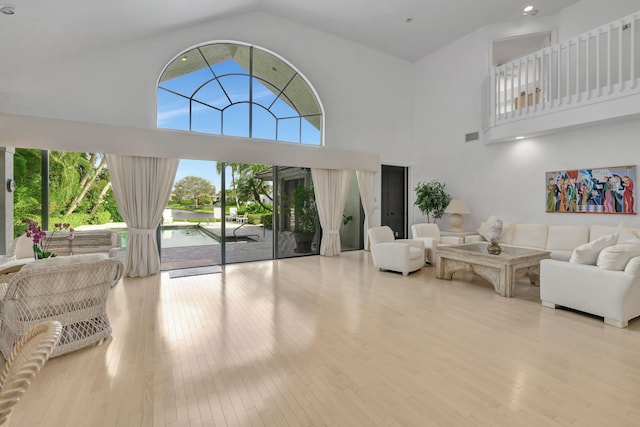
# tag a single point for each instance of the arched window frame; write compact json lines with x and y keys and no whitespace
{"x":280,"y":95}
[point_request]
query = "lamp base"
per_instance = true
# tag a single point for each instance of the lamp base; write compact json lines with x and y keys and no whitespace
{"x":456,"y":221}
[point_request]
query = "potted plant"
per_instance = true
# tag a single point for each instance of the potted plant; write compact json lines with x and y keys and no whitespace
{"x":431,"y":198}
{"x":306,"y":217}
{"x":40,"y":240}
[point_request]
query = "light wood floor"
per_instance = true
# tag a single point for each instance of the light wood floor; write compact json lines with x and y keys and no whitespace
{"x":334,"y":342}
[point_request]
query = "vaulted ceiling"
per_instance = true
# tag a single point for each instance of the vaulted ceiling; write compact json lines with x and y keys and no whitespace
{"x":409,"y":29}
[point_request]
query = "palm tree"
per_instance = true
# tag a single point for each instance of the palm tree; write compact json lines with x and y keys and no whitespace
{"x":252,"y":188}
{"x":235,"y":167}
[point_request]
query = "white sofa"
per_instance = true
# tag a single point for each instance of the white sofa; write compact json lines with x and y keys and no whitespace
{"x":613,"y":295}
{"x":560,"y":240}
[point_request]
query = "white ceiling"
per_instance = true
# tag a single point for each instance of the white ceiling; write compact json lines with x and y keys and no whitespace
{"x":43,"y":29}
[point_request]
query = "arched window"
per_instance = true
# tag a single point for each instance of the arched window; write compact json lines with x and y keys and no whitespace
{"x":238,"y":90}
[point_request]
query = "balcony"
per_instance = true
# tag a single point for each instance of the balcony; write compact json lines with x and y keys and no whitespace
{"x":590,"y":78}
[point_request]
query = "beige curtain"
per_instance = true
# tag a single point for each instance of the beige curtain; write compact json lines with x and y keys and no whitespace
{"x":142,"y":187}
{"x":365,"y":185}
{"x":330,"y":188}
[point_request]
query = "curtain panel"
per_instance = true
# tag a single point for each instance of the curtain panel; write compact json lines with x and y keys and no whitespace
{"x":365,"y":185}
{"x":330,"y":188}
{"x":141,"y":187}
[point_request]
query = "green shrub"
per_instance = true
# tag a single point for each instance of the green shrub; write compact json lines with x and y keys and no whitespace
{"x":254,"y":219}
{"x":257,"y":208}
{"x":78,"y":219}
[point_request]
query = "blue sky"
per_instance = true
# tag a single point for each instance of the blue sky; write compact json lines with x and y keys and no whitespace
{"x":173,"y":112}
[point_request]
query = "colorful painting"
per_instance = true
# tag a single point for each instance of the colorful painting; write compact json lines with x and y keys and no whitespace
{"x":605,"y":190}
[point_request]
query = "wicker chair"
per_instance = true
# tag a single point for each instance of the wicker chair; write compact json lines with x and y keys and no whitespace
{"x":26,"y":359}
{"x":72,"y":290}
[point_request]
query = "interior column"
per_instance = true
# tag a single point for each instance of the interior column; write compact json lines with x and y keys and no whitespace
{"x":6,"y":197}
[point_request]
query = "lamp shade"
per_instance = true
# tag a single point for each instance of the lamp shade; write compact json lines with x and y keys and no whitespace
{"x":457,"y":206}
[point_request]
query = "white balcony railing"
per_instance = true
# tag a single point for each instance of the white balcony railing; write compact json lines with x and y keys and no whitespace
{"x":596,"y":66}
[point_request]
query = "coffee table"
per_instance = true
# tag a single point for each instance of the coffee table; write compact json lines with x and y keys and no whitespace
{"x":501,"y":270}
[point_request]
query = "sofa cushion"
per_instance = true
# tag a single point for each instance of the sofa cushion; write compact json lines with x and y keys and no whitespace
{"x":561,"y":255}
{"x":530,"y":235}
{"x":587,"y":253}
{"x":625,"y":233}
{"x":597,"y":231}
{"x":566,"y":237}
{"x":617,"y":256}
{"x":507,"y":232}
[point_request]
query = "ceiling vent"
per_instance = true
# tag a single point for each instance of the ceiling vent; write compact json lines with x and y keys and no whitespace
{"x":473,"y":136}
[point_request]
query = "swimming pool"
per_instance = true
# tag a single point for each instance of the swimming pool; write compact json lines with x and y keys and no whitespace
{"x":179,"y":236}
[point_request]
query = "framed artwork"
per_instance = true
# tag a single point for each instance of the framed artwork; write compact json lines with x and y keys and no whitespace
{"x":604,"y":190}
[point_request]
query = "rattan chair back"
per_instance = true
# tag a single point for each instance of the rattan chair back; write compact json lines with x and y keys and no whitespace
{"x":27,"y":357}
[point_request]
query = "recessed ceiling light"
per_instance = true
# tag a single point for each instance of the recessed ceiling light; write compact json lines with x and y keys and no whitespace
{"x":519,"y":137}
{"x":528,"y":8}
{"x":7,"y":10}
{"x":183,"y":59}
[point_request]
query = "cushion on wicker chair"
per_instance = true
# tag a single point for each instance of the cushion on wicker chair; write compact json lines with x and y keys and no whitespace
{"x":45,"y":264}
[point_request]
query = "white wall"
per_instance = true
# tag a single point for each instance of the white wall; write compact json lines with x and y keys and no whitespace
{"x":503,"y":179}
{"x":366,"y":94}
{"x":589,"y":14}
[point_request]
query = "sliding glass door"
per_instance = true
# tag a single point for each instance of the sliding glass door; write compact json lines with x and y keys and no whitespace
{"x":191,"y":223}
{"x":296,"y":219}
{"x":248,"y":206}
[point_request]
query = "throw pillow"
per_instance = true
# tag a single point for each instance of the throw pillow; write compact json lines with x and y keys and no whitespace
{"x":24,"y":247}
{"x":588,"y":253}
{"x":617,"y":256}
{"x":507,"y":232}
{"x":484,"y":228}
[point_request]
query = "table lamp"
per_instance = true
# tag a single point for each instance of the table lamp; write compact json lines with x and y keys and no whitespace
{"x":457,"y":207}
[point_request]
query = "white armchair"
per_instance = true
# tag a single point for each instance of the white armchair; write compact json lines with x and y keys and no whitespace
{"x":430,"y":236}
{"x":402,"y":255}
{"x":429,"y":233}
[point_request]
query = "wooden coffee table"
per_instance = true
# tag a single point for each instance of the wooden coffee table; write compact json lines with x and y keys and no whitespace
{"x":501,"y":270}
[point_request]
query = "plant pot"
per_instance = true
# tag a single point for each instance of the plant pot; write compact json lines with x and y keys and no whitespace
{"x":304,"y":240}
